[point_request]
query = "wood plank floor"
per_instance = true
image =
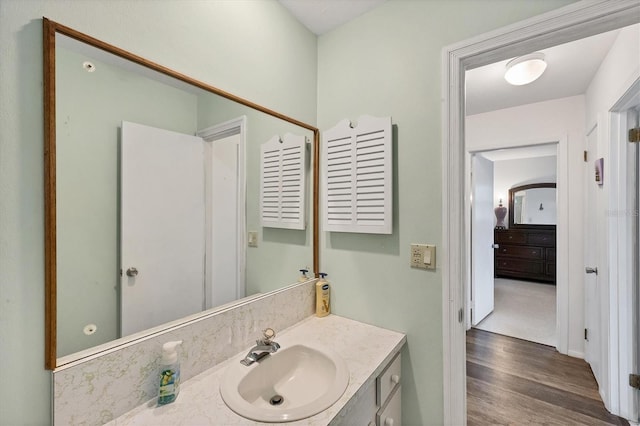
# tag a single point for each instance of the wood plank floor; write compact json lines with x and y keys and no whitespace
{"x":515,"y":382}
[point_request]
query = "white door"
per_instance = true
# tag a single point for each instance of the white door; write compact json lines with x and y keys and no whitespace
{"x":162,"y":226}
{"x":223,"y":254}
{"x":482,"y":273}
{"x":591,"y":256}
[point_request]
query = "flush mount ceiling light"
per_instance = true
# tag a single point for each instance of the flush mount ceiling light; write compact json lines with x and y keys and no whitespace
{"x":525,"y":69}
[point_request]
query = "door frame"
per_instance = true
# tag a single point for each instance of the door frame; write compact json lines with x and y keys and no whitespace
{"x":621,"y":226}
{"x":575,"y":21}
{"x":221,"y":131}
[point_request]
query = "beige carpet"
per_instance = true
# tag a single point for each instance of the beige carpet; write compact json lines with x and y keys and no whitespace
{"x":523,"y":309}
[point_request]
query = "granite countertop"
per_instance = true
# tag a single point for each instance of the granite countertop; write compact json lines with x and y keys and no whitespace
{"x":365,"y":348}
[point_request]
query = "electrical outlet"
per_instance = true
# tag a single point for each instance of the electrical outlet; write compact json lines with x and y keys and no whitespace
{"x":253,"y":239}
{"x":423,"y":256}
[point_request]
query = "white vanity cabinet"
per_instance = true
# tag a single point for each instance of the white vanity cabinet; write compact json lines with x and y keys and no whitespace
{"x":372,"y":396}
{"x":379,"y":403}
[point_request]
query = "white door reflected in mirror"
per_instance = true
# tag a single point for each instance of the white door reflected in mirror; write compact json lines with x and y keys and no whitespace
{"x":162,"y":226}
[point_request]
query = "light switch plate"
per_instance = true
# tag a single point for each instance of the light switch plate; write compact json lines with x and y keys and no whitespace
{"x":252,"y":240}
{"x":423,"y":256}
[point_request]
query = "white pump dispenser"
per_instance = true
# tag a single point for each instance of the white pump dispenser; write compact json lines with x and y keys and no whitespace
{"x":169,"y":373}
{"x":169,"y":352}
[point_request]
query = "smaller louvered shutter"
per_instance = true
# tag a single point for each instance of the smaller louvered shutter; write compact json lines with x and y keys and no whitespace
{"x":357,"y":166}
{"x":283,"y":182}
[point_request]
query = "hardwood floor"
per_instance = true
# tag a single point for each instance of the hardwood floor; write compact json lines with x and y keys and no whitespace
{"x":514,"y":382}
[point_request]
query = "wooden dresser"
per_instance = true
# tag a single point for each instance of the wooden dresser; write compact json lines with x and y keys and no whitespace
{"x":526,"y":253}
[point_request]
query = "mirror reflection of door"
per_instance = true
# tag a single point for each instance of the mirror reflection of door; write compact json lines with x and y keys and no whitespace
{"x":162,"y":240}
{"x":181,"y":221}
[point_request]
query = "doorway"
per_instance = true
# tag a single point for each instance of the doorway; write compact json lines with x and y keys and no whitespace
{"x":563,"y":25}
{"x":516,"y":297}
{"x":225,"y":180}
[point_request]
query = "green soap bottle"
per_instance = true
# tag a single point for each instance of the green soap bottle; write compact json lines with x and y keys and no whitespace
{"x":169,"y":373}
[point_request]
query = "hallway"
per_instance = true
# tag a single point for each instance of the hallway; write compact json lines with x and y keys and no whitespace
{"x":512,"y":381}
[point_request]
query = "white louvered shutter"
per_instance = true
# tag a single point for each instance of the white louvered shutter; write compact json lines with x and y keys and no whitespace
{"x":283,"y":182}
{"x":357,"y":166}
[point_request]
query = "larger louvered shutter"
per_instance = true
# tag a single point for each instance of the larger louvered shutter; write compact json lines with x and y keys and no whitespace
{"x":283,"y":182}
{"x":357,"y":165}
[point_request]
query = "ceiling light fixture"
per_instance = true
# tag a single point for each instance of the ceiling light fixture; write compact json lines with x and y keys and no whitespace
{"x":525,"y":69}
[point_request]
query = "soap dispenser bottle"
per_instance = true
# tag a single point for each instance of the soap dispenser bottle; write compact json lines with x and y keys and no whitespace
{"x":303,"y":277}
{"x":323,"y":304}
{"x":169,"y":373}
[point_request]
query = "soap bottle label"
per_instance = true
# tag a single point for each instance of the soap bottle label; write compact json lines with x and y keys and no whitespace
{"x":169,"y":386}
{"x":322,"y":299}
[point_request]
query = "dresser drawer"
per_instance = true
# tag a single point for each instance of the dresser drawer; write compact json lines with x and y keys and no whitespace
{"x":521,"y":251}
{"x":542,"y":239}
{"x":519,"y":265}
{"x":516,"y":237}
{"x":551,"y":269}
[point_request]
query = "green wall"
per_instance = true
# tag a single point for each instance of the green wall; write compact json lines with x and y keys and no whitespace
{"x":388,"y":63}
{"x":244,"y":47}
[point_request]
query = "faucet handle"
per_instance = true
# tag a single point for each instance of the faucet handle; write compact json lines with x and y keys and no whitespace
{"x":268,"y":334}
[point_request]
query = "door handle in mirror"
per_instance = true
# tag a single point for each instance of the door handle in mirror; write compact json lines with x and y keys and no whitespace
{"x":495,"y":245}
{"x":590,"y":270}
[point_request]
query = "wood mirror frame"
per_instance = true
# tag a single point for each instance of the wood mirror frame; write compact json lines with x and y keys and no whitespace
{"x":50,"y":28}
{"x":512,"y":193}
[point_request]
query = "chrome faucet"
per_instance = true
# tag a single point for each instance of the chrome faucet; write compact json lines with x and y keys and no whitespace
{"x":263,"y":347}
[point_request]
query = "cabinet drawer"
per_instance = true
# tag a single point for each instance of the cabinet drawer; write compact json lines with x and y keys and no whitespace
{"x":519,"y":265}
{"x":516,"y":237}
{"x":542,"y":239}
{"x":551,"y":269}
{"x":391,"y":414}
{"x":388,"y":380}
{"x":520,"y":251}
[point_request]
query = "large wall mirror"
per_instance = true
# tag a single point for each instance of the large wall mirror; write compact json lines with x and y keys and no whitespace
{"x":533,"y":205}
{"x":152,"y":197}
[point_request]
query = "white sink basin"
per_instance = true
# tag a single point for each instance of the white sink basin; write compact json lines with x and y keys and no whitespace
{"x":294,"y":383}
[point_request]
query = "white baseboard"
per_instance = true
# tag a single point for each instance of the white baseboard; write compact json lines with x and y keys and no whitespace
{"x":576,"y":354}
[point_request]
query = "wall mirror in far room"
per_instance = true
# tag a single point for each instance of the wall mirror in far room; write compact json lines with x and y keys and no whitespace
{"x":532,"y":205}
{"x":133,"y":197}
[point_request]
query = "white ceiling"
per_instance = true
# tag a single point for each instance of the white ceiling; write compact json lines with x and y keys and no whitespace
{"x":570,"y":69}
{"x":321,"y":16}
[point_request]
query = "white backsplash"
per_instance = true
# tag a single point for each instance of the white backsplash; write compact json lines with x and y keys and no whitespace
{"x":99,"y":389}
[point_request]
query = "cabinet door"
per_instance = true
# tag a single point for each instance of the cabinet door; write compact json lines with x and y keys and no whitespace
{"x":391,"y":414}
